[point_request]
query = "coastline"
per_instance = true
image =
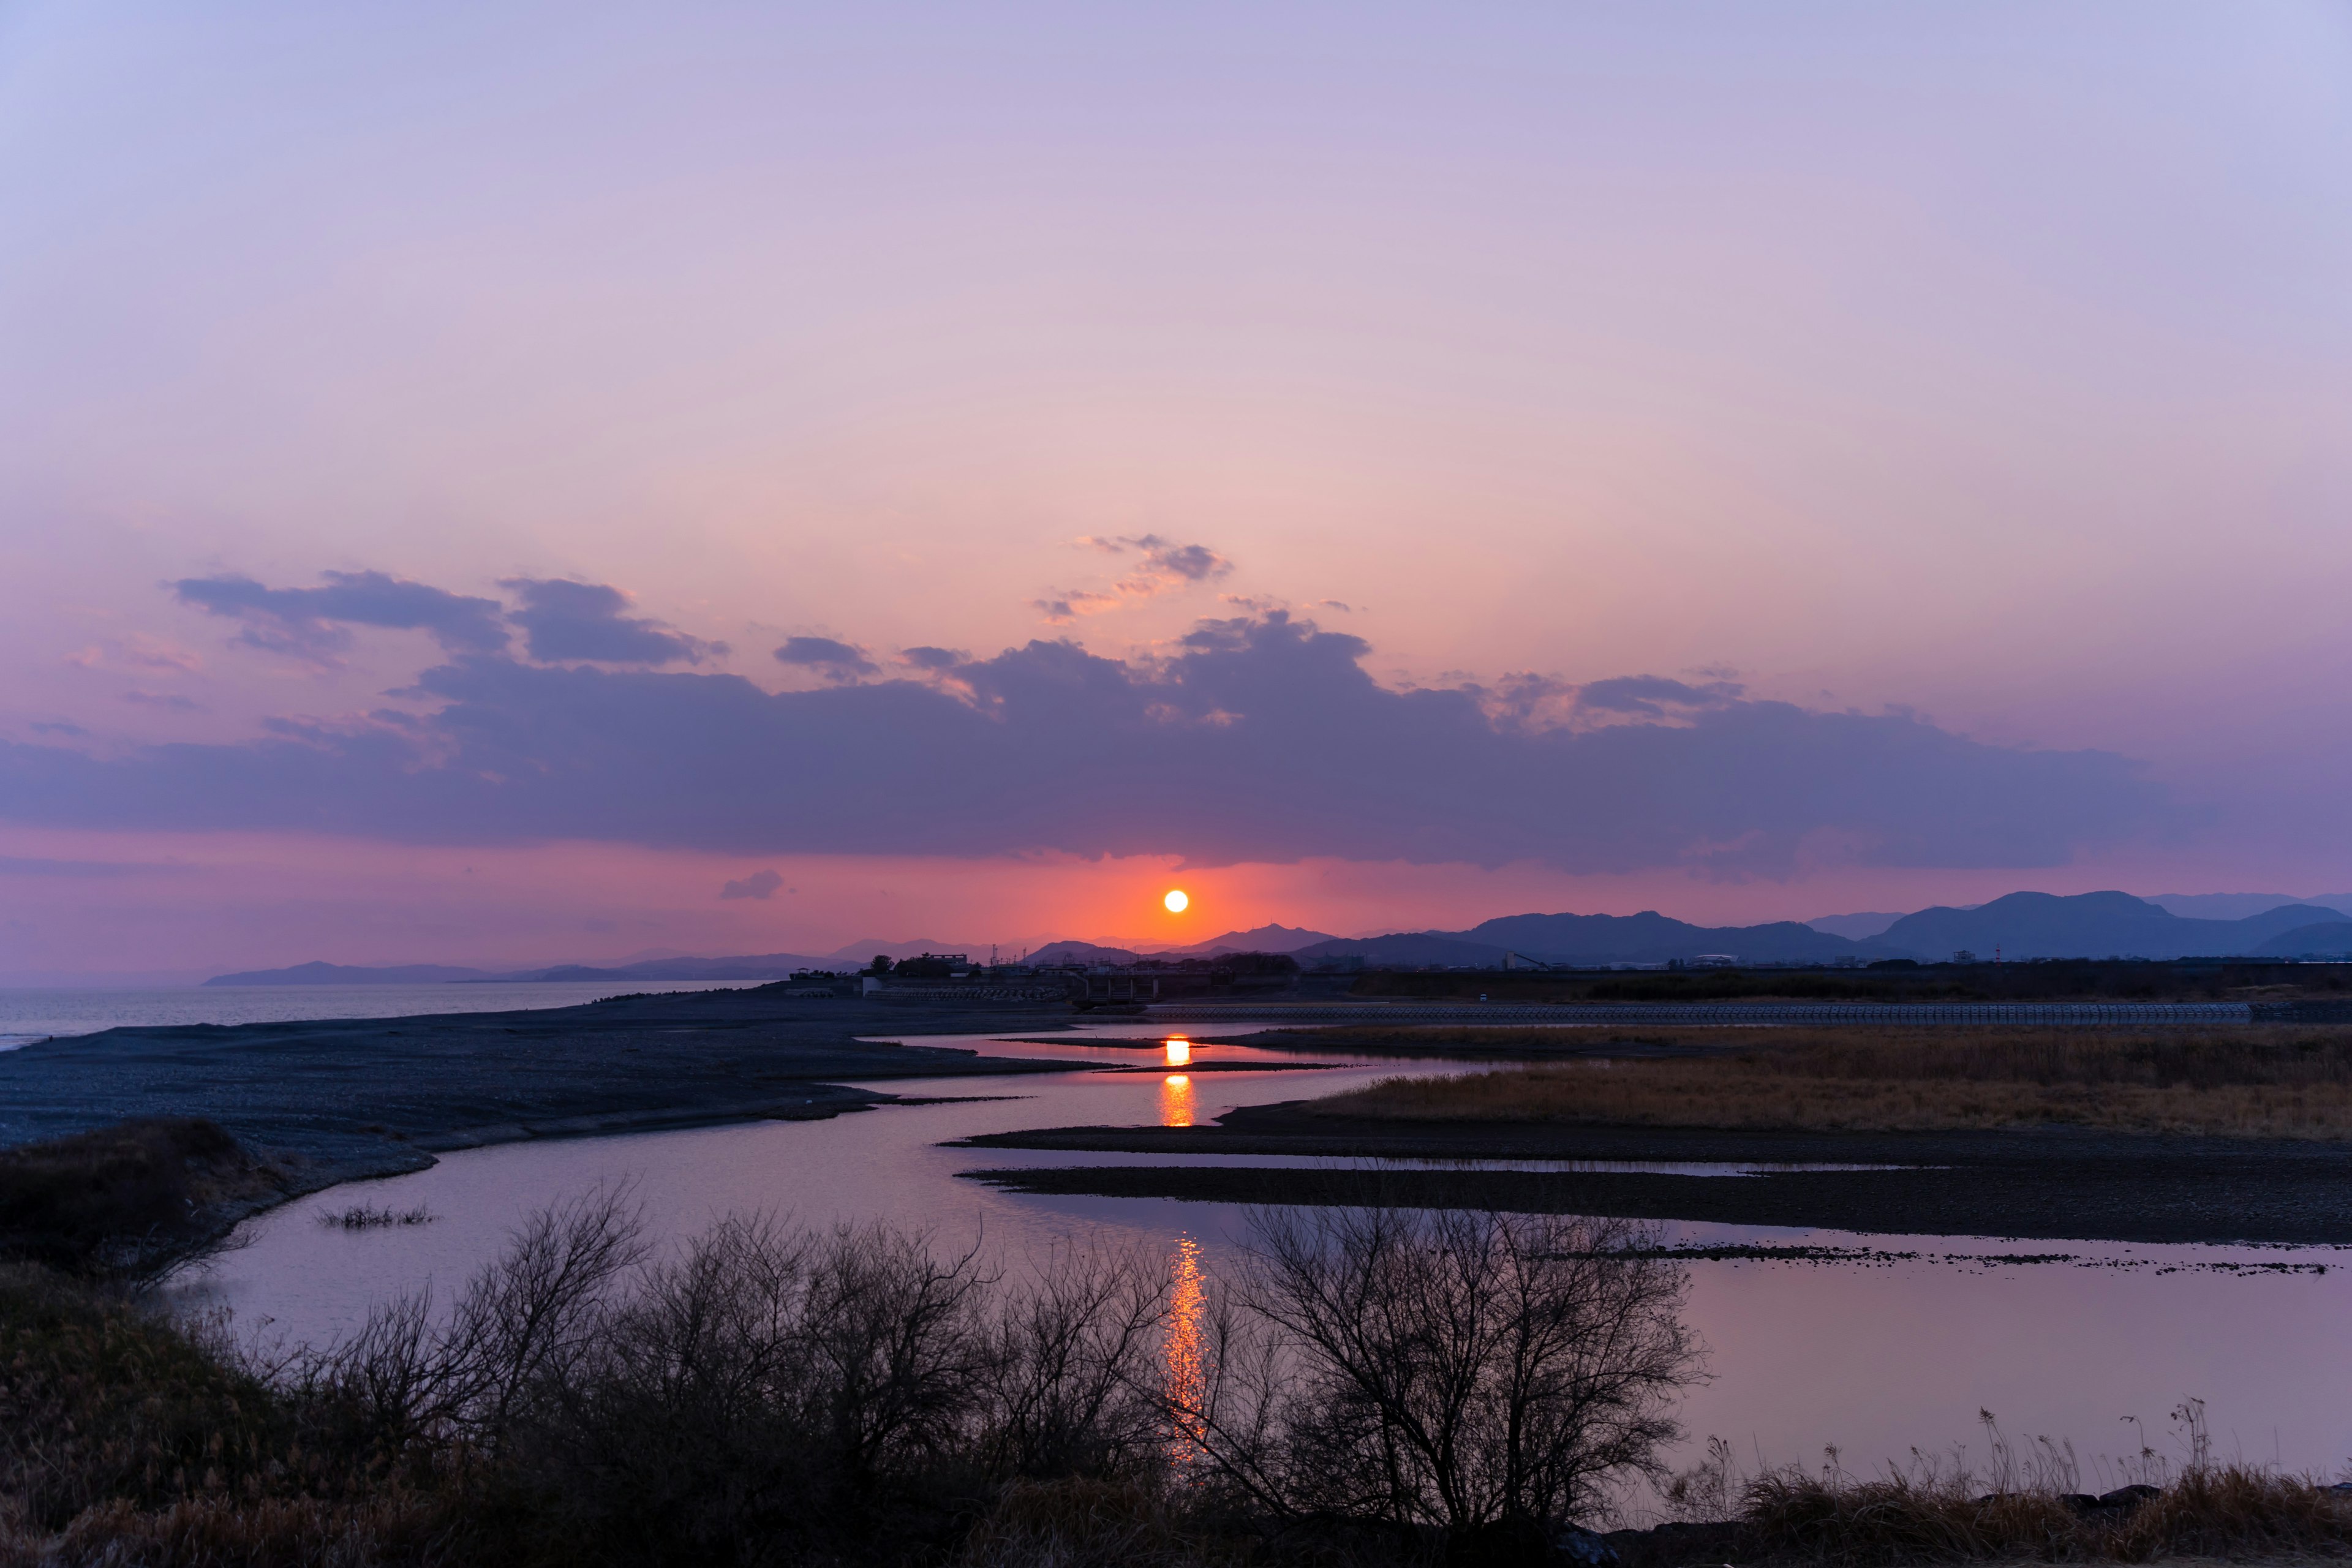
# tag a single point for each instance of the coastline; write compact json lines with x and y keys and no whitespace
{"x":326,"y":1101}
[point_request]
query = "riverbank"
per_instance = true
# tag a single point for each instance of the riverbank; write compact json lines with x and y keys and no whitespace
{"x":2048,"y":1183}
{"x":2257,"y":1082}
{"x":337,"y":1099}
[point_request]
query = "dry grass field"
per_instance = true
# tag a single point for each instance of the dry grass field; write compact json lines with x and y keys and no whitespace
{"x":2247,"y":1082}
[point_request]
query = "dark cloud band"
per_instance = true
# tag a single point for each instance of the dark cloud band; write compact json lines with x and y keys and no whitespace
{"x":1263,"y":739}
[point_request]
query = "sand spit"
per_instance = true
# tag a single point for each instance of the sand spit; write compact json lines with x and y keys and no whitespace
{"x":335,"y":1099}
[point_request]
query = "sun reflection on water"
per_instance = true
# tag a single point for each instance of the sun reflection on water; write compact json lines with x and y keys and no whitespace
{"x":1187,"y":1382}
{"x":1176,"y":1100}
{"x":1180,"y":1051}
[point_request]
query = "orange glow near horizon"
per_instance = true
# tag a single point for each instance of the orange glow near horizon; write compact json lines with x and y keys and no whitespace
{"x":1177,"y":900}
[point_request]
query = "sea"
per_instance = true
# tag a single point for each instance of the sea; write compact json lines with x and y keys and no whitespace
{"x":29,"y":1014}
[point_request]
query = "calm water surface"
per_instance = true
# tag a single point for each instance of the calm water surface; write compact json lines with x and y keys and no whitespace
{"x":1874,"y":1353}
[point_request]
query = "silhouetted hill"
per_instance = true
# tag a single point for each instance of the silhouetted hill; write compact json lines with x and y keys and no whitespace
{"x":2238,"y":906}
{"x":2088,"y":925}
{"x":352,"y":974}
{"x":1597,"y":940}
{"x":2330,"y":939}
{"x":1408,"y":948}
{"x":1264,"y":938}
{"x":1653,"y":938}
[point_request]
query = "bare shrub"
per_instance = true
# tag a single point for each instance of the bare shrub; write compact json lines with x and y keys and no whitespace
{"x":1442,"y":1369}
{"x":1069,"y":1388}
{"x":410,"y":1375}
{"x":776,"y":1393}
{"x":687,"y":1430}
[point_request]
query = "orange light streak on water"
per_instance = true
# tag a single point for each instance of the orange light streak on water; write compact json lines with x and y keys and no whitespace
{"x":1187,"y":1380}
{"x":1176,"y":1100}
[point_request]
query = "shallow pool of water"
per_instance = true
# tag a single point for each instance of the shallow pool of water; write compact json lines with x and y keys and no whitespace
{"x":1871,"y":1343}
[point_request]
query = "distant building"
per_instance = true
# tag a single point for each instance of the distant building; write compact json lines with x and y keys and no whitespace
{"x":1715,"y":961}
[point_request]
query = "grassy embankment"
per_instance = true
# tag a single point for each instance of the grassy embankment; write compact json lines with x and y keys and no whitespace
{"x":2247,"y":1082}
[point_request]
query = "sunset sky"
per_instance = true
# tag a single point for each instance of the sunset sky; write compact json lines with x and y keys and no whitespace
{"x":477,"y":480}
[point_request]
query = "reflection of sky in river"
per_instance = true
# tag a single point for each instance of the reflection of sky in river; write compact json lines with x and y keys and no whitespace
{"x":1874,"y":1355}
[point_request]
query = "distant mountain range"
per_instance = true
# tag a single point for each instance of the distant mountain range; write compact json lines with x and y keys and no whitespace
{"x":2020,"y":926}
{"x":1264,"y":938}
{"x":2102,"y":925}
{"x":1600,"y":939}
{"x":2238,"y":906}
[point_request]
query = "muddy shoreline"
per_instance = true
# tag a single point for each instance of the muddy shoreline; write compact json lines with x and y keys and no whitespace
{"x":2050,"y":1184}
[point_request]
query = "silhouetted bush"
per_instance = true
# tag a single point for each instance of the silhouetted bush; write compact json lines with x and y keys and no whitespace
{"x":123,"y":1199}
{"x":1480,"y":1378}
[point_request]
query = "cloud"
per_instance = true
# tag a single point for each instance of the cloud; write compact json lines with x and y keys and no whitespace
{"x":1164,"y":558}
{"x":568,"y":620}
{"x":834,"y":660}
{"x":934,"y":659}
{"x":169,"y":702}
{"x":1060,"y":608}
{"x":1260,"y":738}
{"x":310,"y":622}
{"x":1164,"y":567}
{"x":56,"y":727}
{"x":757,"y":885}
{"x":137,"y":652}
{"x":1652,"y":696}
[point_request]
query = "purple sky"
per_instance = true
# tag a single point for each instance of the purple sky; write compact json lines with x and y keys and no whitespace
{"x":1377,"y":467}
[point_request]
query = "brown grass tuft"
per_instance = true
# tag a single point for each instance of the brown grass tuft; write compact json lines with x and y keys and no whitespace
{"x":128,"y":1197}
{"x":2249,"y":1082}
{"x":2227,"y":1512}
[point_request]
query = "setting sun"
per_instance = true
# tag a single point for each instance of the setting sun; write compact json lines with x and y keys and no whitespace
{"x":1176,"y":900}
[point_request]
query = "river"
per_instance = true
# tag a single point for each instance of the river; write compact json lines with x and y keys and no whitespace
{"x":1871,"y":1353}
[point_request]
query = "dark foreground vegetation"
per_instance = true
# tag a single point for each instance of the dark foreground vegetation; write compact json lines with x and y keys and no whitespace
{"x":1376,"y":1388}
{"x":128,"y":1200}
{"x":1372,"y":1386}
